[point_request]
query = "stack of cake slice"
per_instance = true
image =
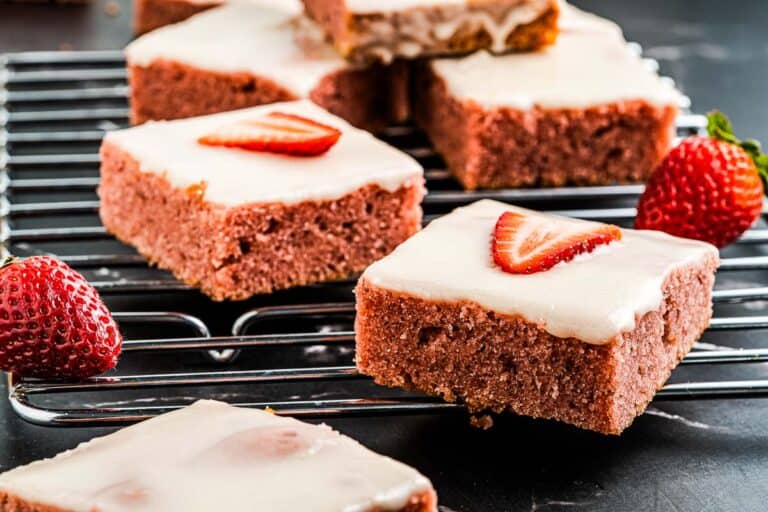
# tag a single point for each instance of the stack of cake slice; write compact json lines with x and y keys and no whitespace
{"x":512,"y":93}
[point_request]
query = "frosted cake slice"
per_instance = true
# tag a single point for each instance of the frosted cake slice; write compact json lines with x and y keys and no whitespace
{"x":250,"y":53}
{"x":588,"y":341}
{"x":211,"y":456}
{"x":237,"y":222}
{"x":585,"y":111}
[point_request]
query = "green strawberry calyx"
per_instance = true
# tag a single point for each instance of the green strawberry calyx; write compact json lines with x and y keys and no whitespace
{"x":7,"y":261}
{"x":720,"y":127}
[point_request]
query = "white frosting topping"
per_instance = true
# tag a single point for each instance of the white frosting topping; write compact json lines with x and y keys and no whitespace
{"x":211,"y":456}
{"x":590,"y":64}
{"x":592,"y":298}
{"x":255,"y":36}
{"x":422,"y":24}
{"x":234,"y":176}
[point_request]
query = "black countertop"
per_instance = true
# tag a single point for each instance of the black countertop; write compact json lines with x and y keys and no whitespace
{"x":706,"y":455}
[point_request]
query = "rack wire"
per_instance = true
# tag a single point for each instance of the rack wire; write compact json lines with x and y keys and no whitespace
{"x":54,"y":109}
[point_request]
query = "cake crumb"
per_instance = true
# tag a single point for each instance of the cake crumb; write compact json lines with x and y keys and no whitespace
{"x":482,"y":421}
{"x":196,"y":192}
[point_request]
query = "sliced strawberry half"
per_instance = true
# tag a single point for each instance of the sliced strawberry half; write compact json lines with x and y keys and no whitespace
{"x":526,"y":244}
{"x":276,"y":132}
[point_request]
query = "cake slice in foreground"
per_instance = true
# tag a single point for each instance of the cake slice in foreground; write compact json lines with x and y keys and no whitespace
{"x":211,"y":456}
{"x":254,"y":52}
{"x":585,"y":111}
{"x":236,"y":222}
{"x":382,"y":30}
{"x":587,"y":342}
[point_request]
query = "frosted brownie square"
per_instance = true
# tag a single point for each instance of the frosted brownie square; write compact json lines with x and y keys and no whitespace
{"x":211,"y":456}
{"x":236,"y":222}
{"x":587,"y":342}
{"x":254,"y":52}
{"x":585,"y":111}
{"x":382,"y":30}
{"x":149,"y":15}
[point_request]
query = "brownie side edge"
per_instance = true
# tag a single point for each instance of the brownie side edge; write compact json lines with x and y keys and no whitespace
{"x":500,"y":147}
{"x":166,"y":90}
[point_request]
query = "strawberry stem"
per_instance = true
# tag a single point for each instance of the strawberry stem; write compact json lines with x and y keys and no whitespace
{"x":720,"y":127}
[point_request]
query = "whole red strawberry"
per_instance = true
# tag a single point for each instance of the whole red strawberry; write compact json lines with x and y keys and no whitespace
{"x":53,"y":323}
{"x":707,"y":188}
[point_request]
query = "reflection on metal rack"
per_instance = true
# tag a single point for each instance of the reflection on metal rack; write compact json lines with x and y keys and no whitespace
{"x":54,"y":109}
{"x":21,"y":392}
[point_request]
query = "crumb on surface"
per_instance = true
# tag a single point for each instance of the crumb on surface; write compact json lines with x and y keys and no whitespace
{"x":481,"y":421}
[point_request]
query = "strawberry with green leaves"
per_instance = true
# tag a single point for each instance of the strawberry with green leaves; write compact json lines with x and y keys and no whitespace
{"x":707,"y":188}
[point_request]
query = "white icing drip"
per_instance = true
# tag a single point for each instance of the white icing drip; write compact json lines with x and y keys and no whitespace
{"x":590,"y":64}
{"x":418,"y":29}
{"x":235,"y":177}
{"x":592,"y":298}
{"x":211,"y":456}
{"x":255,"y":37}
{"x":499,"y":32}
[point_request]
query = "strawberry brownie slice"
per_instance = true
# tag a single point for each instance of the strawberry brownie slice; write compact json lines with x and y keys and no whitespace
{"x":254,"y":52}
{"x":212,"y":456}
{"x":585,"y":111}
{"x":508,"y":309}
{"x":382,"y":30}
{"x":259,"y":199}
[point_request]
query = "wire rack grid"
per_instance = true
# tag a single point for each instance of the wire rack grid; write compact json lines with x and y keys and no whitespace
{"x":54,"y":109}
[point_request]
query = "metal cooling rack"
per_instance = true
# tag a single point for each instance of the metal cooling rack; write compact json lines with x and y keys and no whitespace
{"x":55,"y":108}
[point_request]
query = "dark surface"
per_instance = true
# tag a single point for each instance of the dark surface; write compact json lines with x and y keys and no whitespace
{"x":707,"y":455}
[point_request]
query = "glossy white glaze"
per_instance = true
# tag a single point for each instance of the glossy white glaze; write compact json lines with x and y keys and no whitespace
{"x":234,"y":177}
{"x":211,"y":456}
{"x":592,"y":298}
{"x":417,"y":31}
{"x":590,"y":64}
{"x":261,"y":37}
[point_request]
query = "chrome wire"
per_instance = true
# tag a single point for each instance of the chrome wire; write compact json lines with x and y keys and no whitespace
{"x":22,"y":391}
